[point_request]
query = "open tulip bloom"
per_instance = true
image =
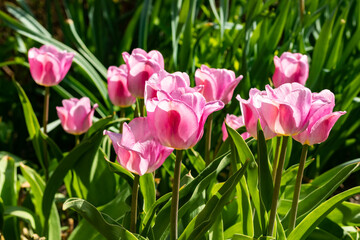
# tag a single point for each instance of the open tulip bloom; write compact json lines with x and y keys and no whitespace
{"x":48,"y":66}
{"x":141,"y":65}
{"x":136,"y":148}
{"x":76,"y":115}
{"x":218,"y":84}
{"x":177,"y":115}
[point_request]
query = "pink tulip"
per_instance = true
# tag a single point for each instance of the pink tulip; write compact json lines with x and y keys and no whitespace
{"x":136,"y":149}
{"x":249,"y":109}
{"x":48,"y":66}
{"x":289,"y":68}
{"x":234,"y":122}
{"x":219,"y":84}
{"x":177,"y":115}
{"x":118,"y":88}
{"x":76,"y":115}
{"x":322,"y":119}
{"x":141,"y":66}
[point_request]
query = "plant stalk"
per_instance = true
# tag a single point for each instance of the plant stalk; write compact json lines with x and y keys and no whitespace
{"x":295,"y":202}
{"x":134,"y":203}
{"x":276,"y":159}
{"x":141,"y":107}
{"x":302,"y":10}
{"x":45,"y":122}
{"x":208,"y":139}
{"x":122,"y":115}
{"x":275,"y":196}
{"x":77,"y":140}
{"x":175,"y":197}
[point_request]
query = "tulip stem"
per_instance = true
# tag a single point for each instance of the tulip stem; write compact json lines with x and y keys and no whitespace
{"x":175,"y":197}
{"x":45,"y":122}
{"x":208,"y":139}
{"x":77,"y":140}
{"x":295,"y":202}
{"x":276,"y":158}
{"x":302,"y":10}
{"x":122,"y":115}
{"x":134,"y":203}
{"x":141,"y":107}
{"x":275,"y":196}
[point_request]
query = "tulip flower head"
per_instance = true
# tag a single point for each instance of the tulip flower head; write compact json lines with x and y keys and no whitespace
{"x":234,"y":122}
{"x":177,"y":115}
{"x":219,"y":84}
{"x":289,"y":68}
{"x":136,"y":148}
{"x":76,"y":115}
{"x":322,"y":119}
{"x":118,"y":88}
{"x":48,"y":66}
{"x":141,"y":66}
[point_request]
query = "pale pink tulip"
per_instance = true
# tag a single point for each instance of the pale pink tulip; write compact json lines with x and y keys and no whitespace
{"x":76,"y":115}
{"x":322,"y":119}
{"x":118,"y":88}
{"x":141,"y":66}
{"x":136,"y":148}
{"x":48,"y":66}
{"x":249,"y":109}
{"x":234,"y":122}
{"x":219,"y":84}
{"x":177,"y":115}
{"x":289,"y":68}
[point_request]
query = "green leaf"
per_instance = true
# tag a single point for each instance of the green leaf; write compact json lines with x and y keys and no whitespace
{"x":52,"y":226}
{"x":147,"y":188}
{"x":204,"y":220}
{"x":26,"y":215}
{"x":85,"y":150}
{"x":346,"y":214}
{"x":265,"y":177}
{"x":311,"y":221}
{"x":121,"y":171}
{"x":108,"y":227}
{"x":1,"y":215}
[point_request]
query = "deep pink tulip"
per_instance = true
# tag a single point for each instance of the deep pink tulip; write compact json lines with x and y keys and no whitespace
{"x":136,"y":149}
{"x":76,"y":115}
{"x":141,"y":66}
{"x":289,"y":68}
{"x":118,"y":88}
{"x":177,"y":115}
{"x":249,"y":109}
{"x":234,"y":122}
{"x":219,"y":84}
{"x":322,"y":119}
{"x":48,"y":66}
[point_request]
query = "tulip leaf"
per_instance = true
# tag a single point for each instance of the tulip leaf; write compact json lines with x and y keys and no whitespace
{"x":37,"y":189}
{"x":102,"y":222}
{"x":85,"y":150}
{"x":265,"y":177}
{"x":121,"y":171}
{"x":1,"y":215}
{"x":26,"y":215}
{"x":311,"y":221}
{"x":204,"y":220}
{"x":147,"y":188}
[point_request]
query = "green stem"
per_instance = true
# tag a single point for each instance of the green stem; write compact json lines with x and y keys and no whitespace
{"x":45,"y":122}
{"x":233,"y":158}
{"x":134,"y":203}
{"x":77,"y":140}
{"x":276,"y":159}
{"x":302,"y":10}
{"x":297,"y":189}
{"x":141,"y":107}
{"x":175,"y":197}
{"x":122,"y":115}
{"x":208,"y":139}
{"x":277,"y":186}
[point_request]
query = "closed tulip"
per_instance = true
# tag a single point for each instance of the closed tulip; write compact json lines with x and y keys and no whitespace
{"x":141,"y":66}
{"x":177,"y":116}
{"x":289,"y":68}
{"x":48,"y":66}
{"x":234,"y":122}
{"x":118,"y":88}
{"x":218,"y":84}
{"x":76,"y":115}
{"x":322,"y":119}
{"x":136,"y":148}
